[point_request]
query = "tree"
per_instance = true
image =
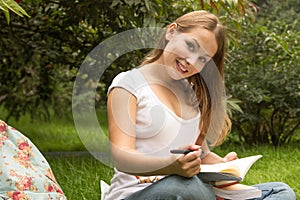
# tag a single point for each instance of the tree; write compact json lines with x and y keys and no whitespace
{"x":40,"y":55}
{"x":264,"y":75}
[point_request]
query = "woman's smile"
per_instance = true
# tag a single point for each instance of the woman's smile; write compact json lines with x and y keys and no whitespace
{"x":180,"y":67}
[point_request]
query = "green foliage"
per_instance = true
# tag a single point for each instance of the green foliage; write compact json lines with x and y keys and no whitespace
{"x":40,"y":55}
{"x":233,"y":106}
{"x":264,"y":75}
{"x":10,"y":5}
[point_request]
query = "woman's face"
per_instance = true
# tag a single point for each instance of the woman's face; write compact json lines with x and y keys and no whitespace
{"x":187,"y":53}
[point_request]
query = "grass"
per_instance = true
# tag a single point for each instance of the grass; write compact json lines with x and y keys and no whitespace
{"x":79,"y":176}
{"x":59,"y":134}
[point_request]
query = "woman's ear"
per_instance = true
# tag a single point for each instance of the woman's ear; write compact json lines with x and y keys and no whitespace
{"x":170,"y":31}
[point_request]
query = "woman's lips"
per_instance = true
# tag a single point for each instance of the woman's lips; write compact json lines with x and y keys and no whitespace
{"x":180,"y":67}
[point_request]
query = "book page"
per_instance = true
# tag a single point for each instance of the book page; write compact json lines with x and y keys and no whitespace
{"x":242,"y":164}
{"x":239,"y":187}
{"x":238,"y":192}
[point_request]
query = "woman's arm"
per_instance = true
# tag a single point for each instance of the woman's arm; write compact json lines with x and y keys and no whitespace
{"x":121,"y":106}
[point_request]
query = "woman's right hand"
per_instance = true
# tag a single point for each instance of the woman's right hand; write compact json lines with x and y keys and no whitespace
{"x":188,"y":165}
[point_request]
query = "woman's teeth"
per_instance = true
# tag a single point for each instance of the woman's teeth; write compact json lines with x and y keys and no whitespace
{"x":181,"y":67}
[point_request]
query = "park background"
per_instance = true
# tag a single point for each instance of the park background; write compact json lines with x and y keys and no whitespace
{"x":41,"y":54}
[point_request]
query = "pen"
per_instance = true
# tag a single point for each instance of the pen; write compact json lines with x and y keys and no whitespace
{"x":182,"y":151}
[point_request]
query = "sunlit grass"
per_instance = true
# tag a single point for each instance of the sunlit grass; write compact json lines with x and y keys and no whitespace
{"x":79,"y":177}
{"x":58,"y":134}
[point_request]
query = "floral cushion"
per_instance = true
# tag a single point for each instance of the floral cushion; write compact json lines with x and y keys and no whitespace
{"x":24,"y":172}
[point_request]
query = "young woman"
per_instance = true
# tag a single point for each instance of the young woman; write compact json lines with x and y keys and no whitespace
{"x":168,"y":104}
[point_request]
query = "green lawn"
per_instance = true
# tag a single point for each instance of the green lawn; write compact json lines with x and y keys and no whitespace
{"x":79,"y":176}
{"x":59,"y":134}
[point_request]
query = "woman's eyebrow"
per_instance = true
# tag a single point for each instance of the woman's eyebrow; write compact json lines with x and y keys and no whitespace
{"x":199,"y":47}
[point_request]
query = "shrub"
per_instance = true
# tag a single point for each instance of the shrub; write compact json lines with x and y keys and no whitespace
{"x":264,"y":74}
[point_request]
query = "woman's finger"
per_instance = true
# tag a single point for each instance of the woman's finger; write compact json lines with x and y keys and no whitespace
{"x":230,"y":156}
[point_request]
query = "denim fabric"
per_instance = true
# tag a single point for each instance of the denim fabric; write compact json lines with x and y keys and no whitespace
{"x":179,"y":188}
{"x":175,"y":188}
{"x":276,"y":191}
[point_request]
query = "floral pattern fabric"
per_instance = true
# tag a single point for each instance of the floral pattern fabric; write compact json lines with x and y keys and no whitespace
{"x":24,"y":172}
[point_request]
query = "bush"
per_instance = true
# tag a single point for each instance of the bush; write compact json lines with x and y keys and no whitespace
{"x":264,"y":75}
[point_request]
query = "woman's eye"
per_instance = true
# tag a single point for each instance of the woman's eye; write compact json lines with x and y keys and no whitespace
{"x":202,"y":59}
{"x":190,"y":46}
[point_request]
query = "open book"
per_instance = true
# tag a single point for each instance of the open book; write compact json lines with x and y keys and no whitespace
{"x":232,"y":171}
{"x":225,"y":178}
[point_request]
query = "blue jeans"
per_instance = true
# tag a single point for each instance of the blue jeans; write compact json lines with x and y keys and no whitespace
{"x":275,"y":190}
{"x":179,"y":188}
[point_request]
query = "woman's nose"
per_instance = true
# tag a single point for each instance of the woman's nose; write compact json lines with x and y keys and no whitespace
{"x":193,"y":61}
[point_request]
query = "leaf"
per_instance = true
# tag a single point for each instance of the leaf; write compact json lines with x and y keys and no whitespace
{"x":14,"y":7}
{"x":225,"y":7}
{"x":6,"y":11}
{"x":241,"y":7}
{"x":7,"y":16}
{"x":147,"y":5}
{"x":282,"y":43}
{"x":114,"y":3}
{"x":3,"y":7}
{"x":213,"y":5}
{"x":232,"y":106}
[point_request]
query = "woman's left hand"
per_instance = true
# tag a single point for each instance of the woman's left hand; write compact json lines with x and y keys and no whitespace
{"x":230,"y":156}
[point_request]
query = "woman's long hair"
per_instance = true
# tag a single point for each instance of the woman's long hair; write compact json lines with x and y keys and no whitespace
{"x":186,"y":23}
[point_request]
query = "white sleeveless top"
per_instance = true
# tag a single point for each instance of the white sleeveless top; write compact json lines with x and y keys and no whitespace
{"x":158,"y":129}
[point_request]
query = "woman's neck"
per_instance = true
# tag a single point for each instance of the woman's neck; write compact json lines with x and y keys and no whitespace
{"x":157,"y":71}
